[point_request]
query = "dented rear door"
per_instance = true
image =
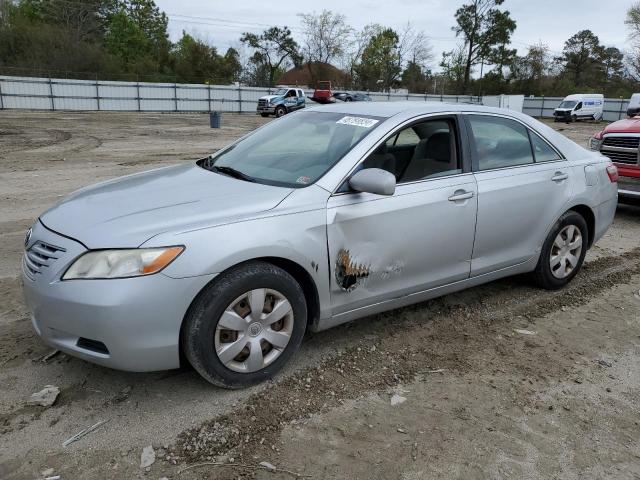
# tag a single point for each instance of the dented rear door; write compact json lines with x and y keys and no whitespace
{"x":382,"y":248}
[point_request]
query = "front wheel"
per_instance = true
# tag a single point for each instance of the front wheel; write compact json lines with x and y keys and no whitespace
{"x":264,"y":115}
{"x":563,"y":252}
{"x":243,"y":328}
{"x":281,"y":111}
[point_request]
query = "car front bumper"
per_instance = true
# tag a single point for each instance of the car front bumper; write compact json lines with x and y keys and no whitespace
{"x":271,"y":109}
{"x":128,"y":324}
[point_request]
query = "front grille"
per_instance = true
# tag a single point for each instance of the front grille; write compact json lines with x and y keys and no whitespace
{"x":624,"y":142}
{"x":621,"y":149}
{"x":40,"y":256}
{"x":263,"y":103}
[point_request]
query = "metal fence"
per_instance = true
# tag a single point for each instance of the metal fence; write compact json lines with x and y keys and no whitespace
{"x":614,"y":108}
{"x":65,"y":94}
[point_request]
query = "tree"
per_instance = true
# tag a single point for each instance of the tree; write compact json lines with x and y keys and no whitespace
{"x":325,"y":36}
{"x":483,"y":27}
{"x":355,"y":47}
{"x":415,"y":78}
{"x":582,"y":57}
{"x":379,"y":67}
{"x":273,"y":49}
{"x":454,"y":67}
{"x":633,"y":56}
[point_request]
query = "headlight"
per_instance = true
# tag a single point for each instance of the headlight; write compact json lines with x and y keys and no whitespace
{"x":595,"y":143}
{"x":121,"y":263}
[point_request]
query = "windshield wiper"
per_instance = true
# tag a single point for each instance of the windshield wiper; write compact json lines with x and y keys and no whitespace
{"x":232,"y":172}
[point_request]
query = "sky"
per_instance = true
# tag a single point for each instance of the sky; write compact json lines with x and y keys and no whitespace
{"x":221,"y":23}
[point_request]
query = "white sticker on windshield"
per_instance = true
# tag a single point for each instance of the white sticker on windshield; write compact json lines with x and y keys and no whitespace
{"x":358,"y":121}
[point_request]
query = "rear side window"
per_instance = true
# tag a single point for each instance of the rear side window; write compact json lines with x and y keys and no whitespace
{"x":542,"y":150}
{"x":499,"y":142}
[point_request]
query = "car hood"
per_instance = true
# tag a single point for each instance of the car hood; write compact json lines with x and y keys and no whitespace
{"x":631,"y":125}
{"x":270,"y":97}
{"x":127,"y":211}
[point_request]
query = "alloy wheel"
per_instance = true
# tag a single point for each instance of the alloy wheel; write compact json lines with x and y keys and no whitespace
{"x":566,"y":251}
{"x":254,"y":330}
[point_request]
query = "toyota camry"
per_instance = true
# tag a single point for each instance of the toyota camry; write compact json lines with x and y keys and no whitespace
{"x":318,"y":218}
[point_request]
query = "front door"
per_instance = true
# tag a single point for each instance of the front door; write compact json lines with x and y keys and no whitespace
{"x":420,"y":238}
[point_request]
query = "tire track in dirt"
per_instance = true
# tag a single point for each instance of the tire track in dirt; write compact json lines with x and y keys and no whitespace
{"x":399,"y":350}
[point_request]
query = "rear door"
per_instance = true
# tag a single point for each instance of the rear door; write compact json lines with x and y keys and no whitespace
{"x":523,"y":187}
{"x":385,"y":247}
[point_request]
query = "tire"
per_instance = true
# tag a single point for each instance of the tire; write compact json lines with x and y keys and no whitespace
{"x":348,"y":99}
{"x":574,"y":118}
{"x":264,"y":115}
{"x":202,"y":341}
{"x":280,"y":111}
{"x":556,"y":277}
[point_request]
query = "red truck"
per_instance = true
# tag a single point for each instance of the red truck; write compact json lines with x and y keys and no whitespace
{"x":620,"y":141}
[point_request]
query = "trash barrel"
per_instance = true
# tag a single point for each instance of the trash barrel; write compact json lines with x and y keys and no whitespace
{"x":214,"y":119}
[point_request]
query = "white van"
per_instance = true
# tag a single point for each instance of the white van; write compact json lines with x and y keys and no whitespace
{"x":634,"y":105}
{"x":580,"y":107}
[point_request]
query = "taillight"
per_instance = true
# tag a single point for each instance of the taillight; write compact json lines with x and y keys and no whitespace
{"x":612,"y":171}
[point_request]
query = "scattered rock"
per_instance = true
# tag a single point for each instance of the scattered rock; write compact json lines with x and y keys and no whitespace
{"x":397,"y":399}
{"x":268,"y":466}
{"x":525,"y":332}
{"x":604,"y":363}
{"x":148,"y":457}
{"x":45,"y":397}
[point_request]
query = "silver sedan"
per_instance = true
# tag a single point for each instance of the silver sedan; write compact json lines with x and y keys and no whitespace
{"x":316,"y":219}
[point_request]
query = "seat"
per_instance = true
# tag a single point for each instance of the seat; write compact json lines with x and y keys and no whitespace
{"x":382,"y":159}
{"x":431,"y":156}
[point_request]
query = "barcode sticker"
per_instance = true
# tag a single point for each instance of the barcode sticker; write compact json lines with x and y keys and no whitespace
{"x":358,"y":121}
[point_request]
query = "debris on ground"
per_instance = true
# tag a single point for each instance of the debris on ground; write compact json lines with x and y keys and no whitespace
{"x":604,"y":363}
{"x":82,"y":433}
{"x":397,"y":399}
{"x":148,"y":457}
{"x":46,"y":357}
{"x":47,"y":472}
{"x":268,"y":466}
{"x":525,"y":332}
{"x":45,"y":397}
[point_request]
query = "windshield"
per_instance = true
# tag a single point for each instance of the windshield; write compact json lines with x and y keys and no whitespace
{"x":296,"y":150}
{"x":568,"y":104}
{"x":280,"y":91}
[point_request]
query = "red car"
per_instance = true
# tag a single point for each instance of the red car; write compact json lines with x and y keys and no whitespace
{"x":620,"y":141}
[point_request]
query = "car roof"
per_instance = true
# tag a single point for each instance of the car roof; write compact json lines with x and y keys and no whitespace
{"x":391,"y":109}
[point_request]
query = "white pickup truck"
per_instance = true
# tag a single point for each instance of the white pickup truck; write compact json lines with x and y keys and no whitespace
{"x":281,"y":102}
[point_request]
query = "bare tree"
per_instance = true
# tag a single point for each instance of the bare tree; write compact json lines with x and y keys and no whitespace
{"x":414,"y":47}
{"x":325,"y":36}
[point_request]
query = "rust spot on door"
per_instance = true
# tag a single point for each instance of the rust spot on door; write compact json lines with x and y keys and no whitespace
{"x":349,"y":273}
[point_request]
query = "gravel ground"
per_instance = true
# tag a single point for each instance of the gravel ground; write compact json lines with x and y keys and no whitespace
{"x":443,"y":389}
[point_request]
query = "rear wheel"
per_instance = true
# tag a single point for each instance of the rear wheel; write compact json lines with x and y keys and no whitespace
{"x":563,"y":252}
{"x":280,"y":111}
{"x":244,"y":327}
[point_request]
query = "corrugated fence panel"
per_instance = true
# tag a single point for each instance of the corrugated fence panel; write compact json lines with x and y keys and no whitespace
{"x":67,"y":94}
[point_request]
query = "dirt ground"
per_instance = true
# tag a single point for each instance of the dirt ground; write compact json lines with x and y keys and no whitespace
{"x":444,"y":389}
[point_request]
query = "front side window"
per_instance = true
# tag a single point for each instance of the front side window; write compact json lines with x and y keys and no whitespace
{"x":295,"y":150}
{"x":499,"y":142}
{"x":422,"y":151}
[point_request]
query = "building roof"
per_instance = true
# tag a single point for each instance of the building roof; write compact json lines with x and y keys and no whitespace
{"x":308,"y":74}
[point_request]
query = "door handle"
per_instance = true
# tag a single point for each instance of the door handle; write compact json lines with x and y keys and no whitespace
{"x":560,"y":177}
{"x":460,"y":195}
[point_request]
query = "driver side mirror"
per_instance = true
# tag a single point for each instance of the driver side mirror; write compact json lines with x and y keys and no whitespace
{"x":373,"y":180}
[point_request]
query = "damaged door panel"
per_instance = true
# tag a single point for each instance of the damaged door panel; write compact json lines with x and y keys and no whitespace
{"x":386,"y":247}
